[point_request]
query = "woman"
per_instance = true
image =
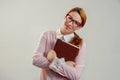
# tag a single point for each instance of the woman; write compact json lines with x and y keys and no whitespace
{"x":54,"y":68}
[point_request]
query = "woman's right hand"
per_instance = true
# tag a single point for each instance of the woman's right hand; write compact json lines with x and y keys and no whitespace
{"x":71,"y":63}
{"x":51,"y":55}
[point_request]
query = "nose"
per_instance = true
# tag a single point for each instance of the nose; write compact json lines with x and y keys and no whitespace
{"x":70,"y":23}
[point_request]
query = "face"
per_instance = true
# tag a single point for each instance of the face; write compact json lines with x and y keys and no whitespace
{"x":72,"y":22}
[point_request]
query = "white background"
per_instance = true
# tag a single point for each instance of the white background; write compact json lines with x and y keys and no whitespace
{"x":22,"y":21}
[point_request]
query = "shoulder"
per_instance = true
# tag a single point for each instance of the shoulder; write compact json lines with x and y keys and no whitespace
{"x":48,"y":33}
{"x":83,"y":43}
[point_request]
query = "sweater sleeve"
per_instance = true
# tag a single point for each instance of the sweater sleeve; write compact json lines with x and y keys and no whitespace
{"x":39,"y":59}
{"x":72,"y":73}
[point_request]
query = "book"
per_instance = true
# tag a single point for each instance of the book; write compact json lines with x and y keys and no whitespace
{"x":66,"y":50}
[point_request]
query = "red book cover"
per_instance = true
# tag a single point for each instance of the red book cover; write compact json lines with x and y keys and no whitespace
{"x":66,"y":50}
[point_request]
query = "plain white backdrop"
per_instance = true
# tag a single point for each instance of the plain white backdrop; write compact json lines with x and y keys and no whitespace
{"x":22,"y":21}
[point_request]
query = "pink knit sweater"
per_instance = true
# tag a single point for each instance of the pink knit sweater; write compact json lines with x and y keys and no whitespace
{"x":46,"y":43}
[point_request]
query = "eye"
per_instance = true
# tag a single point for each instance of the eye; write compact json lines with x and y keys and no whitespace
{"x":70,"y":18}
{"x":76,"y":22}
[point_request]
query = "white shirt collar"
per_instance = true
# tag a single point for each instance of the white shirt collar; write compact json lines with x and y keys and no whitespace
{"x":59,"y":34}
{"x":66,"y":37}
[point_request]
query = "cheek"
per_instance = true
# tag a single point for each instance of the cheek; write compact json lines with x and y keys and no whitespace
{"x":65,"y":22}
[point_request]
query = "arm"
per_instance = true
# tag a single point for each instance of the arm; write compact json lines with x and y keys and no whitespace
{"x":72,"y":73}
{"x":52,"y":55}
{"x":39,"y":59}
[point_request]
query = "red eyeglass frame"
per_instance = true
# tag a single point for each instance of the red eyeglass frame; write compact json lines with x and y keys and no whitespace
{"x":76,"y":22}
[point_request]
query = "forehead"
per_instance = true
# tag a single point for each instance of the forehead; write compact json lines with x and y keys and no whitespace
{"x":75,"y":16}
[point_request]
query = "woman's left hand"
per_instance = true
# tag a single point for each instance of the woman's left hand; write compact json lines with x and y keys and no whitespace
{"x":71,"y":63}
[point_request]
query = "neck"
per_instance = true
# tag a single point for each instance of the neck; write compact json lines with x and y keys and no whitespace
{"x":62,"y":31}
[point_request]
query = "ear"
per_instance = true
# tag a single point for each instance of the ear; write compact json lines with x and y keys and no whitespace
{"x":65,"y":16}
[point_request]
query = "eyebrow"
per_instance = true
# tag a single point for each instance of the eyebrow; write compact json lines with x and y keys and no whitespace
{"x":73,"y":18}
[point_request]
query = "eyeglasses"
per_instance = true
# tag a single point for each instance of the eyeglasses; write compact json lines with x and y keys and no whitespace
{"x":74,"y":22}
